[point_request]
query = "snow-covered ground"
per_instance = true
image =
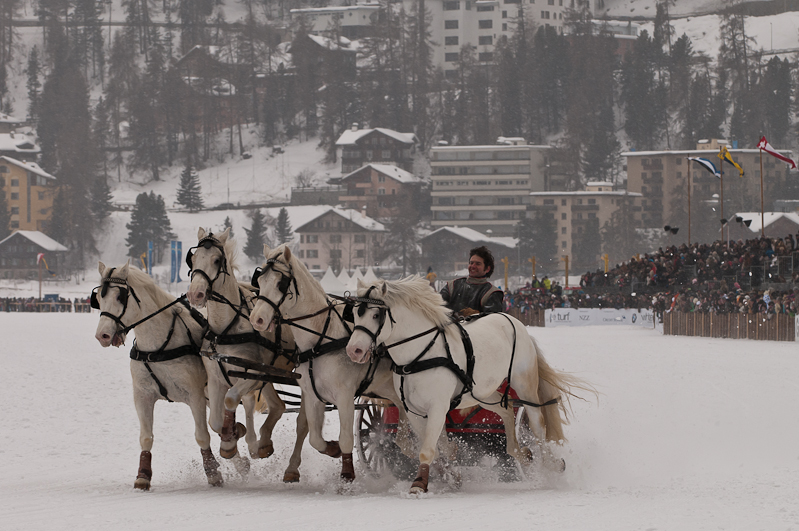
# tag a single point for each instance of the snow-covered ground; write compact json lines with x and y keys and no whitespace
{"x":688,"y":433}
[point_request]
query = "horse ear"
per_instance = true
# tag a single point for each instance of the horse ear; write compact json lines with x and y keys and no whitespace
{"x":385,"y":288}
{"x":200,"y":233}
{"x":361,"y":284}
{"x":125,"y":268}
{"x":225,"y":235}
{"x":287,"y":254}
{"x":266,"y":251}
{"x":101,"y":269}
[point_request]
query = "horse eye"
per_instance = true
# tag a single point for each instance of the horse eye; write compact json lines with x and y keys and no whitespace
{"x":375,"y":316}
{"x":216,"y":261}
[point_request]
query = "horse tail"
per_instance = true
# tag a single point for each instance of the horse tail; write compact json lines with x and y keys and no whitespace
{"x":562,"y":386}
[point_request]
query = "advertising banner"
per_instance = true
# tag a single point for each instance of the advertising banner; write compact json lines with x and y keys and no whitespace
{"x":598,"y":317}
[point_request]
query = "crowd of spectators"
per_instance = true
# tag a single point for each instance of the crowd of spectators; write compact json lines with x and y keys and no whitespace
{"x":33,"y":304}
{"x":752,"y":276}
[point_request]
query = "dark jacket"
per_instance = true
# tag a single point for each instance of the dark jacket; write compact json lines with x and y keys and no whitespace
{"x":475,"y":293}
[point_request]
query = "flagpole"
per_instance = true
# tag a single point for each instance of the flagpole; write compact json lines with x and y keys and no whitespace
{"x":690,"y":182}
{"x":40,"y":280}
{"x":721,"y":177}
{"x":762,"y":223}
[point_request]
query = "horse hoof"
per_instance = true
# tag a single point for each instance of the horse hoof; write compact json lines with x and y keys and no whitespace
{"x":527,"y":455}
{"x":291,"y":477}
{"x":332,"y":449}
{"x":228,"y":453}
{"x":215,"y":479}
{"x":347,"y":477}
{"x":266,"y":451}
{"x":142,"y":484}
{"x":417,"y":491}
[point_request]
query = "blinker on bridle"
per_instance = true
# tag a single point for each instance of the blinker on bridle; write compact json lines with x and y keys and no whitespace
{"x":283,"y":286}
{"x":124,"y":291}
{"x":363,"y":304}
{"x":207,"y":242}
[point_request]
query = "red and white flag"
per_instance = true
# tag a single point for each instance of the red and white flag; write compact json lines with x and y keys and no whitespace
{"x":765,"y":146}
{"x":39,"y":258}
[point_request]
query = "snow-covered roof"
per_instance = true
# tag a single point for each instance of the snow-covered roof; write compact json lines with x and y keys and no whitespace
{"x":768,"y":218}
{"x":476,"y":236}
{"x":5,"y":118}
{"x":343,"y":44}
{"x":396,"y":173}
{"x":350,"y":137}
{"x":17,"y":142}
{"x":351,"y":215}
{"x":334,"y":9}
{"x":30,"y":166}
{"x":694,"y":152}
{"x":39,"y":238}
{"x":586,"y":192}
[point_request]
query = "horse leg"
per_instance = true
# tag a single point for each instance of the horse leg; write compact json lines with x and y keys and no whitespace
{"x":276,"y":409}
{"x":346,"y":415}
{"x":250,"y":403}
{"x":292,"y":473}
{"x":430,"y":432}
{"x":315,"y":413}
{"x":509,"y":421}
{"x":144,"y":402}
{"x":203,"y":438}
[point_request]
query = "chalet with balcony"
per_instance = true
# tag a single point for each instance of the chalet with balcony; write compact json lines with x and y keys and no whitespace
{"x":359,"y":147}
{"x":381,"y":189}
{"x":19,"y":255}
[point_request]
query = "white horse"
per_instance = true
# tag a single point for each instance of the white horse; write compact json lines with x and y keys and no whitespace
{"x":214,"y":285}
{"x":286,"y":285}
{"x":434,"y":371}
{"x":165,"y":362}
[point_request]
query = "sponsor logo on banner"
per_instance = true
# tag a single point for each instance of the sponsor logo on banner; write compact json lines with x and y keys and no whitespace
{"x":597,"y":316}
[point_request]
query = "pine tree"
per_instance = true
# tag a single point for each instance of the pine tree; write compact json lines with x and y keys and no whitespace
{"x":144,"y":133}
{"x":33,"y":84}
{"x":401,"y":243}
{"x":256,"y":235}
{"x":538,"y":237}
{"x":100,"y":198}
{"x":777,"y":95}
{"x":189,"y":193}
{"x":619,"y":237}
{"x":5,"y":216}
{"x":283,"y":229}
{"x":228,"y":225}
{"x":588,"y":245}
{"x":148,"y":222}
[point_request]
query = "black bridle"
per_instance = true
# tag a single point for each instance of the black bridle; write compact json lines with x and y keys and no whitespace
{"x":207,"y":242}
{"x":363,"y":304}
{"x":125,"y":291}
{"x":284,"y":286}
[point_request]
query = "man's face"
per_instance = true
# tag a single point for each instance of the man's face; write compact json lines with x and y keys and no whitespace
{"x":477,"y":267}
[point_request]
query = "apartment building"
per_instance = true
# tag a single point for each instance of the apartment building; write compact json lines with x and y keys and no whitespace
{"x":481,"y":24}
{"x":660,"y":177}
{"x":340,"y":238}
{"x":486,"y":187}
{"x":29,"y":192}
{"x":573,"y":210}
{"x":354,"y":21}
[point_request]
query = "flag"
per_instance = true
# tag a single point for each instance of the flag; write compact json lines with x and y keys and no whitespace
{"x":765,"y":146}
{"x":707,"y":164}
{"x":725,"y":156}
{"x":39,"y":258}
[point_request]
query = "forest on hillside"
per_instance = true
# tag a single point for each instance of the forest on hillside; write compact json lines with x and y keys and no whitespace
{"x":103,"y":110}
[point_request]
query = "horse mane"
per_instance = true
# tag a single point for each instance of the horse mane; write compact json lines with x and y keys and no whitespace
{"x":142,"y":282}
{"x":415,"y":293}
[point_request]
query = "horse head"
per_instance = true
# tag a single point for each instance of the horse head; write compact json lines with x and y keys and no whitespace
{"x":112,"y":298}
{"x":274,"y":281}
{"x":207,"y":261}
{"x":370,"y":320}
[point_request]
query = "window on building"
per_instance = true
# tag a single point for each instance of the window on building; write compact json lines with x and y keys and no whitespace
{"x":678,"y":161}
{"x":359,"y":253}
{"x":550,"y":2}
{"x":446,"y":201}
{"x":591,"y":215}
{"x":450,"y":24}
{"x":563,"y":244}
{"x":386,"y":154}
{"x":545,"y":14}
{"x":485,"y":39}
{"x":301,"y":253}
{"x":14,"y":196}
{"x":592,"y":201}
{"x":381,"y":191}
{"x":452,"y":5}
{"x":4,"y":169}
{"x":562,"y":202}
{"x":359,"y":238}
{"x":485,"y":8}
{"x":335,"y":253}
{"x":504,"y":14}
{"x":14,"y":210}
{"x":451,"y":57}
{"x":369,"y":154}
{"x":451,"y":41}
{"x":335,"y":238}
{"x":563,"y":215}
{"x":505,"y":201}
{"x":485,"y":57}
{"x":313,"y":238}
{"x":504,"y":26}
{"x":302,"y":238}
{"x":15,"y":224}
{"x":549,"y":201}
{"x":485,"y":24}
{"x":313,"y":253}
{"x":14,"y":182}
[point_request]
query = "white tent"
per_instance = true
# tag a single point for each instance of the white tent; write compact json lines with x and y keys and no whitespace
{"x":331,"y":284}
{"x":370,"y":276}
{"x":356,"y":274}
{"x":344,"y":278}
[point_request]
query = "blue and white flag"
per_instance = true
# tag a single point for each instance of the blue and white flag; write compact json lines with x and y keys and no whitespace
{"x":150,"y":258}
{"x":179,"y":255}
{"x":707,"y":164}
{"x":173,"y":251}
